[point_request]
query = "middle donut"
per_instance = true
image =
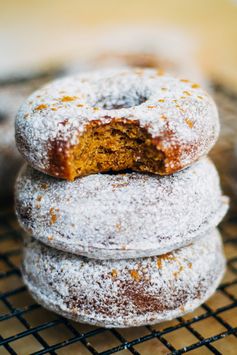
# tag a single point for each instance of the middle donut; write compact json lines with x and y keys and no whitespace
{"x":121,"y":215}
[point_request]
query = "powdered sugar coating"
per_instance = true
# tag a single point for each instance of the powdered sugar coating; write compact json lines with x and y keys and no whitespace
{"x":124,"y":293}
{"x":177,"y":113}
{"x":121,"y":215}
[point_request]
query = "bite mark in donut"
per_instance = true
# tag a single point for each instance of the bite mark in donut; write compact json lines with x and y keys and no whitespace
{"x":116,"y":146}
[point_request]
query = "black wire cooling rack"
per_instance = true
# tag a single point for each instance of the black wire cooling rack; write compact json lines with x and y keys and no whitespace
{"x":26,"y":328}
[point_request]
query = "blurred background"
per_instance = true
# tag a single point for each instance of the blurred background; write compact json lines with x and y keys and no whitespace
{"x":37,"y":33}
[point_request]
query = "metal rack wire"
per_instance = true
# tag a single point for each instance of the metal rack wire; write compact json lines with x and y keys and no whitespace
{"x":27,"y":328}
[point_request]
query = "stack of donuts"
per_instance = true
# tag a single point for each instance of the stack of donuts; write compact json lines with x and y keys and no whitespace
{"x":119,"y":200}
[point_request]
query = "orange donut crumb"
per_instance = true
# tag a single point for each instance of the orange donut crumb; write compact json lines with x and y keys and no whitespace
{"x":41,"y":107}
{"x":135,"y":275}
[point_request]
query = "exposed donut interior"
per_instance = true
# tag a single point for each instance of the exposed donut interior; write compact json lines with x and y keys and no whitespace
{"x":120,"y":144}
{"x":113,"y":147}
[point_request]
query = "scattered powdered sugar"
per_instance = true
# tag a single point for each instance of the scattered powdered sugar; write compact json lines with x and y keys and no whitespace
{"x":123,"y":293}
{"x":176,"y":111}
{"x":121,"y":215}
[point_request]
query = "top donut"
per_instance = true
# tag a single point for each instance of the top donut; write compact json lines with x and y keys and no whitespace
{"x":139,"y":119}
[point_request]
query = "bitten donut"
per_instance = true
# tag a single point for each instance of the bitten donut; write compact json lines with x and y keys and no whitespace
{"x":120,"y":215}
{"x":115,"y":120}
{"x":124,"y":293}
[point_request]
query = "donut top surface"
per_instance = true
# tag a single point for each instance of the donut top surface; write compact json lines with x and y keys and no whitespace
{"x":179,"y":114}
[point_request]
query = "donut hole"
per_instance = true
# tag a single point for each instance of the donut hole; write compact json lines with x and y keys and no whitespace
{"x":123,"y":101}
{"x":116,"y":146}
{"x":119,"y":94}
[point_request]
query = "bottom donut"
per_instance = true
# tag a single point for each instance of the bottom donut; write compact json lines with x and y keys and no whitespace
{"x":124,"y":293}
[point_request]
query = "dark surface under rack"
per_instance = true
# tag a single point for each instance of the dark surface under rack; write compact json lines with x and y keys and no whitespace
{"x":25,"y":327}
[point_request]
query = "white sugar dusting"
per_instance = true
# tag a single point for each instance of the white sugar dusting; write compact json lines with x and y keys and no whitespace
{"x":62,"y":109}
{"x":123,"y":293}
{"x":121,"y":215}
